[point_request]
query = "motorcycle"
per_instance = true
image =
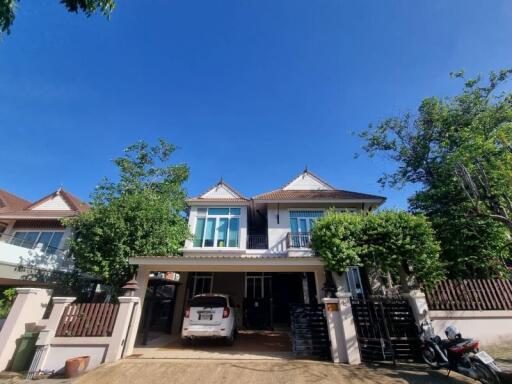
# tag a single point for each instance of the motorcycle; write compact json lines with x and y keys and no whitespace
{"x":457,"y":354}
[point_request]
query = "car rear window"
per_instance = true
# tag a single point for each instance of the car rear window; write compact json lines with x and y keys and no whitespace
{"x":208,"y":301}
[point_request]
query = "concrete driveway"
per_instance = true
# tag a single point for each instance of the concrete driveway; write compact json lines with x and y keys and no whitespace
{"x":134,"y":371}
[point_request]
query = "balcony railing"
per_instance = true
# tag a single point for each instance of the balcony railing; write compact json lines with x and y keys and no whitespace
{"x":257,"y":242}
{"x":298,"y":240}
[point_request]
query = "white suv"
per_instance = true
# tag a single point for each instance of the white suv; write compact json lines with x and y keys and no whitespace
{"x":209,"y":316}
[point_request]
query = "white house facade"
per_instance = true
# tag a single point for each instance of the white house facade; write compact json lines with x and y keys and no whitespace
{"x":256,"y":249}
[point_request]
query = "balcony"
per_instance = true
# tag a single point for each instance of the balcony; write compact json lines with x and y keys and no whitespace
{"x":298,"y":240}
{"x":33,"y":255}
{"x":257,"y":242}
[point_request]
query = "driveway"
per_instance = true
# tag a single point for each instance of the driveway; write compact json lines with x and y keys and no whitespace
{"x":134,"y":371}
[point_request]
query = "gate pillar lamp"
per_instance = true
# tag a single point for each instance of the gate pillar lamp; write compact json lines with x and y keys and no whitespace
{"x":130,"y":288}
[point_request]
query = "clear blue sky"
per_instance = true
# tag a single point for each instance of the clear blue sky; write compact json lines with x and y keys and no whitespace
{"x":251,"y":90}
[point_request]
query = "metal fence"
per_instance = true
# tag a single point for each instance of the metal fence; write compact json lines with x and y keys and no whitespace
{"x":477,"y":294}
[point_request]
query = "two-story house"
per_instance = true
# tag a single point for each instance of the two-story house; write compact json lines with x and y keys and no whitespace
{"x":257,"y":249}
{"x":32,"y":237}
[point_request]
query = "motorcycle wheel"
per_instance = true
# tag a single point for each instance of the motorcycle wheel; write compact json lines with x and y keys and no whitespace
{"x":485,"y":374}
{"x":429,"y":356}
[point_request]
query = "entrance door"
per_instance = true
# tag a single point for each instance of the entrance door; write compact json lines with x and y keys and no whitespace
{"x":258,"y":300}
{"x":288,"y":290}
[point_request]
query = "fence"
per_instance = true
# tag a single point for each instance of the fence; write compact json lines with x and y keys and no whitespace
{"x":90,"y":319}
{"x":470,"y":295}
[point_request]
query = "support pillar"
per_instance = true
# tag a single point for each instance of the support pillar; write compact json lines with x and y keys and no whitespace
{"x":418,"y":302}
{"x":28,"y":309}
{"x":120,"y":333}
{"x":181,"y":300}
{"x":319,"y":282}
{"x":351,"y":345}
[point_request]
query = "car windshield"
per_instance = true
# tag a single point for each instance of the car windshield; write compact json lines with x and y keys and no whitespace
{"x":208,"y":301}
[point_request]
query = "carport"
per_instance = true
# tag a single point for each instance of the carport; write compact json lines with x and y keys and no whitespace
{"x":248,"y":281}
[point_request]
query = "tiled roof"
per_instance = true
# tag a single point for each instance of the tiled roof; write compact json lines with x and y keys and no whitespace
{"x":10,"y":202}
{"x":336,"y":194}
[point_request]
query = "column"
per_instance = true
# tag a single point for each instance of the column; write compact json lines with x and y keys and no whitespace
{"x":350,"y":344}
{"x":180,"y":303}
{"x":120,"y":333}
{"x":418,"y":302}
{"x":319,"y":282}
{"x":28,"y":308}
{"x":335,"y":330}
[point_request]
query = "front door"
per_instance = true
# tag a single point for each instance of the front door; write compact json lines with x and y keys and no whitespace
{"x":258,"y":300}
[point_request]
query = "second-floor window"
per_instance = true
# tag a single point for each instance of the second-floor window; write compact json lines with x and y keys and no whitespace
{"x":217,"y":227}
{"x":302,"y":221}
{"x":49,"y":240}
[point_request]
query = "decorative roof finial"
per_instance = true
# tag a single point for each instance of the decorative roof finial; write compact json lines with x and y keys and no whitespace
{"x":221,"y":181}
{"x":305,"y":169}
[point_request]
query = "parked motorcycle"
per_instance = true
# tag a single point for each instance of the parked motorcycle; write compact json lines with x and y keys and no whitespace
{"x":457,"y":354}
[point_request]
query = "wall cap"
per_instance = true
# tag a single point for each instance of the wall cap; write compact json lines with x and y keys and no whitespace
{"x":128,"y":299}
{"x":415,"y":293}
{"x":26,"y":291}
{"x":329,"y":300}
{"x":63,"y":300}
{"x":343,"y":294}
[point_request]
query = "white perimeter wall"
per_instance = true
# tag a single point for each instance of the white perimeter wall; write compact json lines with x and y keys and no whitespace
{"x":58,"y":354}
{"x":490,"y":327}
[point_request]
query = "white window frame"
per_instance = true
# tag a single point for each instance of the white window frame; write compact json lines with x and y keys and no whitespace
{"x":262,"y":276}
{"x":353,"y":273}
{"x":40,"y":231}
{"x":207,"y":216}
{"x":202,"y":275}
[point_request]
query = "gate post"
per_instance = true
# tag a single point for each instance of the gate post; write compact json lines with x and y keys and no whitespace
{"x":334,"y":329}
{"x":350,"y":345}
{"x":418,"y":302}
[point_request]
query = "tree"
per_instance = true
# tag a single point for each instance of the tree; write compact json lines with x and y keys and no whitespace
{"x":398,"y":245}
{"x":435,"y":149}
{"x":138,"y":215}
{"x":89,"y":7}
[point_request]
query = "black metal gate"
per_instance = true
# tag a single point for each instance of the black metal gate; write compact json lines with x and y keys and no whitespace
{"x":309,"y":331}
{"x":386,"y":329}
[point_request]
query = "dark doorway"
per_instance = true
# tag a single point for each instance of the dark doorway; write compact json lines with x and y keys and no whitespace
{"x":287,"y":290}
{"x":158,"y":307}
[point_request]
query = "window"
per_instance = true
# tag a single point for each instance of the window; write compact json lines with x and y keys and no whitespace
{"x":49,"y":240}
{"x":217,"y":227}
{"x":258,"y":285}
{"x":209,"y":301}
{"x":202,"y":283}
{"x":354,"y":282}
{"x":301,"y":223}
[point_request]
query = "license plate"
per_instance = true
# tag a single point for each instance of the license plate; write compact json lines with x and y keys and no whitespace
{"x":205,"y":316}
{"x":484,"y":357}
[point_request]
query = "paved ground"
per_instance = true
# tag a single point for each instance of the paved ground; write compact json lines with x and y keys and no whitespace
{"x":260,"y":371}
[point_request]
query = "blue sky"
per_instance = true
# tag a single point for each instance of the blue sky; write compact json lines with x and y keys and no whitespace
{"x":250,"y":90}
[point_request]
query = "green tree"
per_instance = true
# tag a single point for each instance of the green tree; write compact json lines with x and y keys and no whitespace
{"x":432,"y":150}
{"x":138,"y":215}
{"x":398,"y":245}
{"x":89,"y":7}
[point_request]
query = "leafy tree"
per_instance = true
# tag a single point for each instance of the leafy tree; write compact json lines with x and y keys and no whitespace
{"x":337,"y":238}
{"x":7,"y":301}
{"x":441,"y":149}
{"x":138,"y":215}
{"x":89,"y":7}
{"x":394,"y":243}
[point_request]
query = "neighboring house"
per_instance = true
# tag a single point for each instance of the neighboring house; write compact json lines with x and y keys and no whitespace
{"x":257,"y":250}
{"x":32,"y":238}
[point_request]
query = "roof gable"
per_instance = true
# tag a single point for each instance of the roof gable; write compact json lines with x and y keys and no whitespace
{"x":220,"y":192}
{"x":60,"y":200}
{"x":307,"y":181}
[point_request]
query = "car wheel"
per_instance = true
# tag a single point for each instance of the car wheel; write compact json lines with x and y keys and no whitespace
{"x":230,"y":339}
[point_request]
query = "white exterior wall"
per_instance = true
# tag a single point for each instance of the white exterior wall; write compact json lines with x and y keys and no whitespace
{"x":243,"y":225}
{"x":489,"y":327}
{"x":58,"y":354}
{"x":277,"y":231}
{"x":55,"y":204}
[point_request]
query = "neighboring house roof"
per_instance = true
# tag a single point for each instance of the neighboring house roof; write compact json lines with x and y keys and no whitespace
{"x":308,"y":186}
{"x":220,"y":192}
{"x":53,"y":206}
{"x":11,"y":202}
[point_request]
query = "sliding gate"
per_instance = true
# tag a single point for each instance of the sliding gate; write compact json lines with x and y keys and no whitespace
{"x":386,"y":329}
